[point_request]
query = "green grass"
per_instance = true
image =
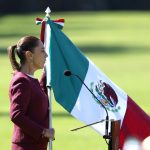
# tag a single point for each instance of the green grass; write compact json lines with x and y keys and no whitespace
{"x":117,"y":42}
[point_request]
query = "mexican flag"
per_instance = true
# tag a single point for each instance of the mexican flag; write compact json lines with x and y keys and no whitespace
{"x":73,"y":96}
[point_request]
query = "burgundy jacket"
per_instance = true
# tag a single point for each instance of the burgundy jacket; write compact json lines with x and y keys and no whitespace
{"x":28,"y":108}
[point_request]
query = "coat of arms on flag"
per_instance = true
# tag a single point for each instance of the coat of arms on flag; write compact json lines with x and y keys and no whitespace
{"x":106,"y":95}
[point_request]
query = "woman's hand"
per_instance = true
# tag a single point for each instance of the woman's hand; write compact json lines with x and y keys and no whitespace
{"x":49,"y":133}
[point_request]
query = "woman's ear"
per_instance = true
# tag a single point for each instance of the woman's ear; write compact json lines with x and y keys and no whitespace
{"x":29,"y":56}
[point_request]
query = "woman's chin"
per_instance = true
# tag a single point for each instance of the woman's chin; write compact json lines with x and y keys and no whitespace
{"x":40,"y":67}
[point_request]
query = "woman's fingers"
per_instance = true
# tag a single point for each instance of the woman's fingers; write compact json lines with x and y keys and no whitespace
{"x":50,"y":133}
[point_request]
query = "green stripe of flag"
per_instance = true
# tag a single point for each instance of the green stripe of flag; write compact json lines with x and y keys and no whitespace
{"x":64,"y":55}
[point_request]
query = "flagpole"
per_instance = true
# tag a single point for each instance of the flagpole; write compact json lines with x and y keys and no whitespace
{"x":48,"y":11}
{"x":50,"y":113}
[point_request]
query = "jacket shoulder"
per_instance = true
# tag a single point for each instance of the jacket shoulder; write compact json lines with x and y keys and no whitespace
{"x":19,"y":77}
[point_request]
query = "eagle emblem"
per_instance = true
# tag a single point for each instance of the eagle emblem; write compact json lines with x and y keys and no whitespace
{"x":106,"y":95}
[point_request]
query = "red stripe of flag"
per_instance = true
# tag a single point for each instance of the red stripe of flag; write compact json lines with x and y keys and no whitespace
{"x":136,"y":123}
{"x":59,"y":20}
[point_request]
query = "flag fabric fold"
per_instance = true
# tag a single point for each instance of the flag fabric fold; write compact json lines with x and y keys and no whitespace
{"x":72,"y":95}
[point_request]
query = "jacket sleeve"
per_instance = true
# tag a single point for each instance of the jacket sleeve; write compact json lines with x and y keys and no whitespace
{"x":43,"y":83}
{"x":20,"y":95}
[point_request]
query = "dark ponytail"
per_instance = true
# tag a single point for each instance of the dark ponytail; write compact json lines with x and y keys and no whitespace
{"x":27,"y":43}
{"x":12,"y":56}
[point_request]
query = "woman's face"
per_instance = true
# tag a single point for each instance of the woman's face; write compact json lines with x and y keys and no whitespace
{"x":39,"y":56}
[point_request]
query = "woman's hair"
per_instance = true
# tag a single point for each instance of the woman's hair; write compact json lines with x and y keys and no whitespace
{"x":27,"y":43}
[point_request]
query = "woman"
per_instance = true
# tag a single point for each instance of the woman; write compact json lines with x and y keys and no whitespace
{"x":28,"y":96}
